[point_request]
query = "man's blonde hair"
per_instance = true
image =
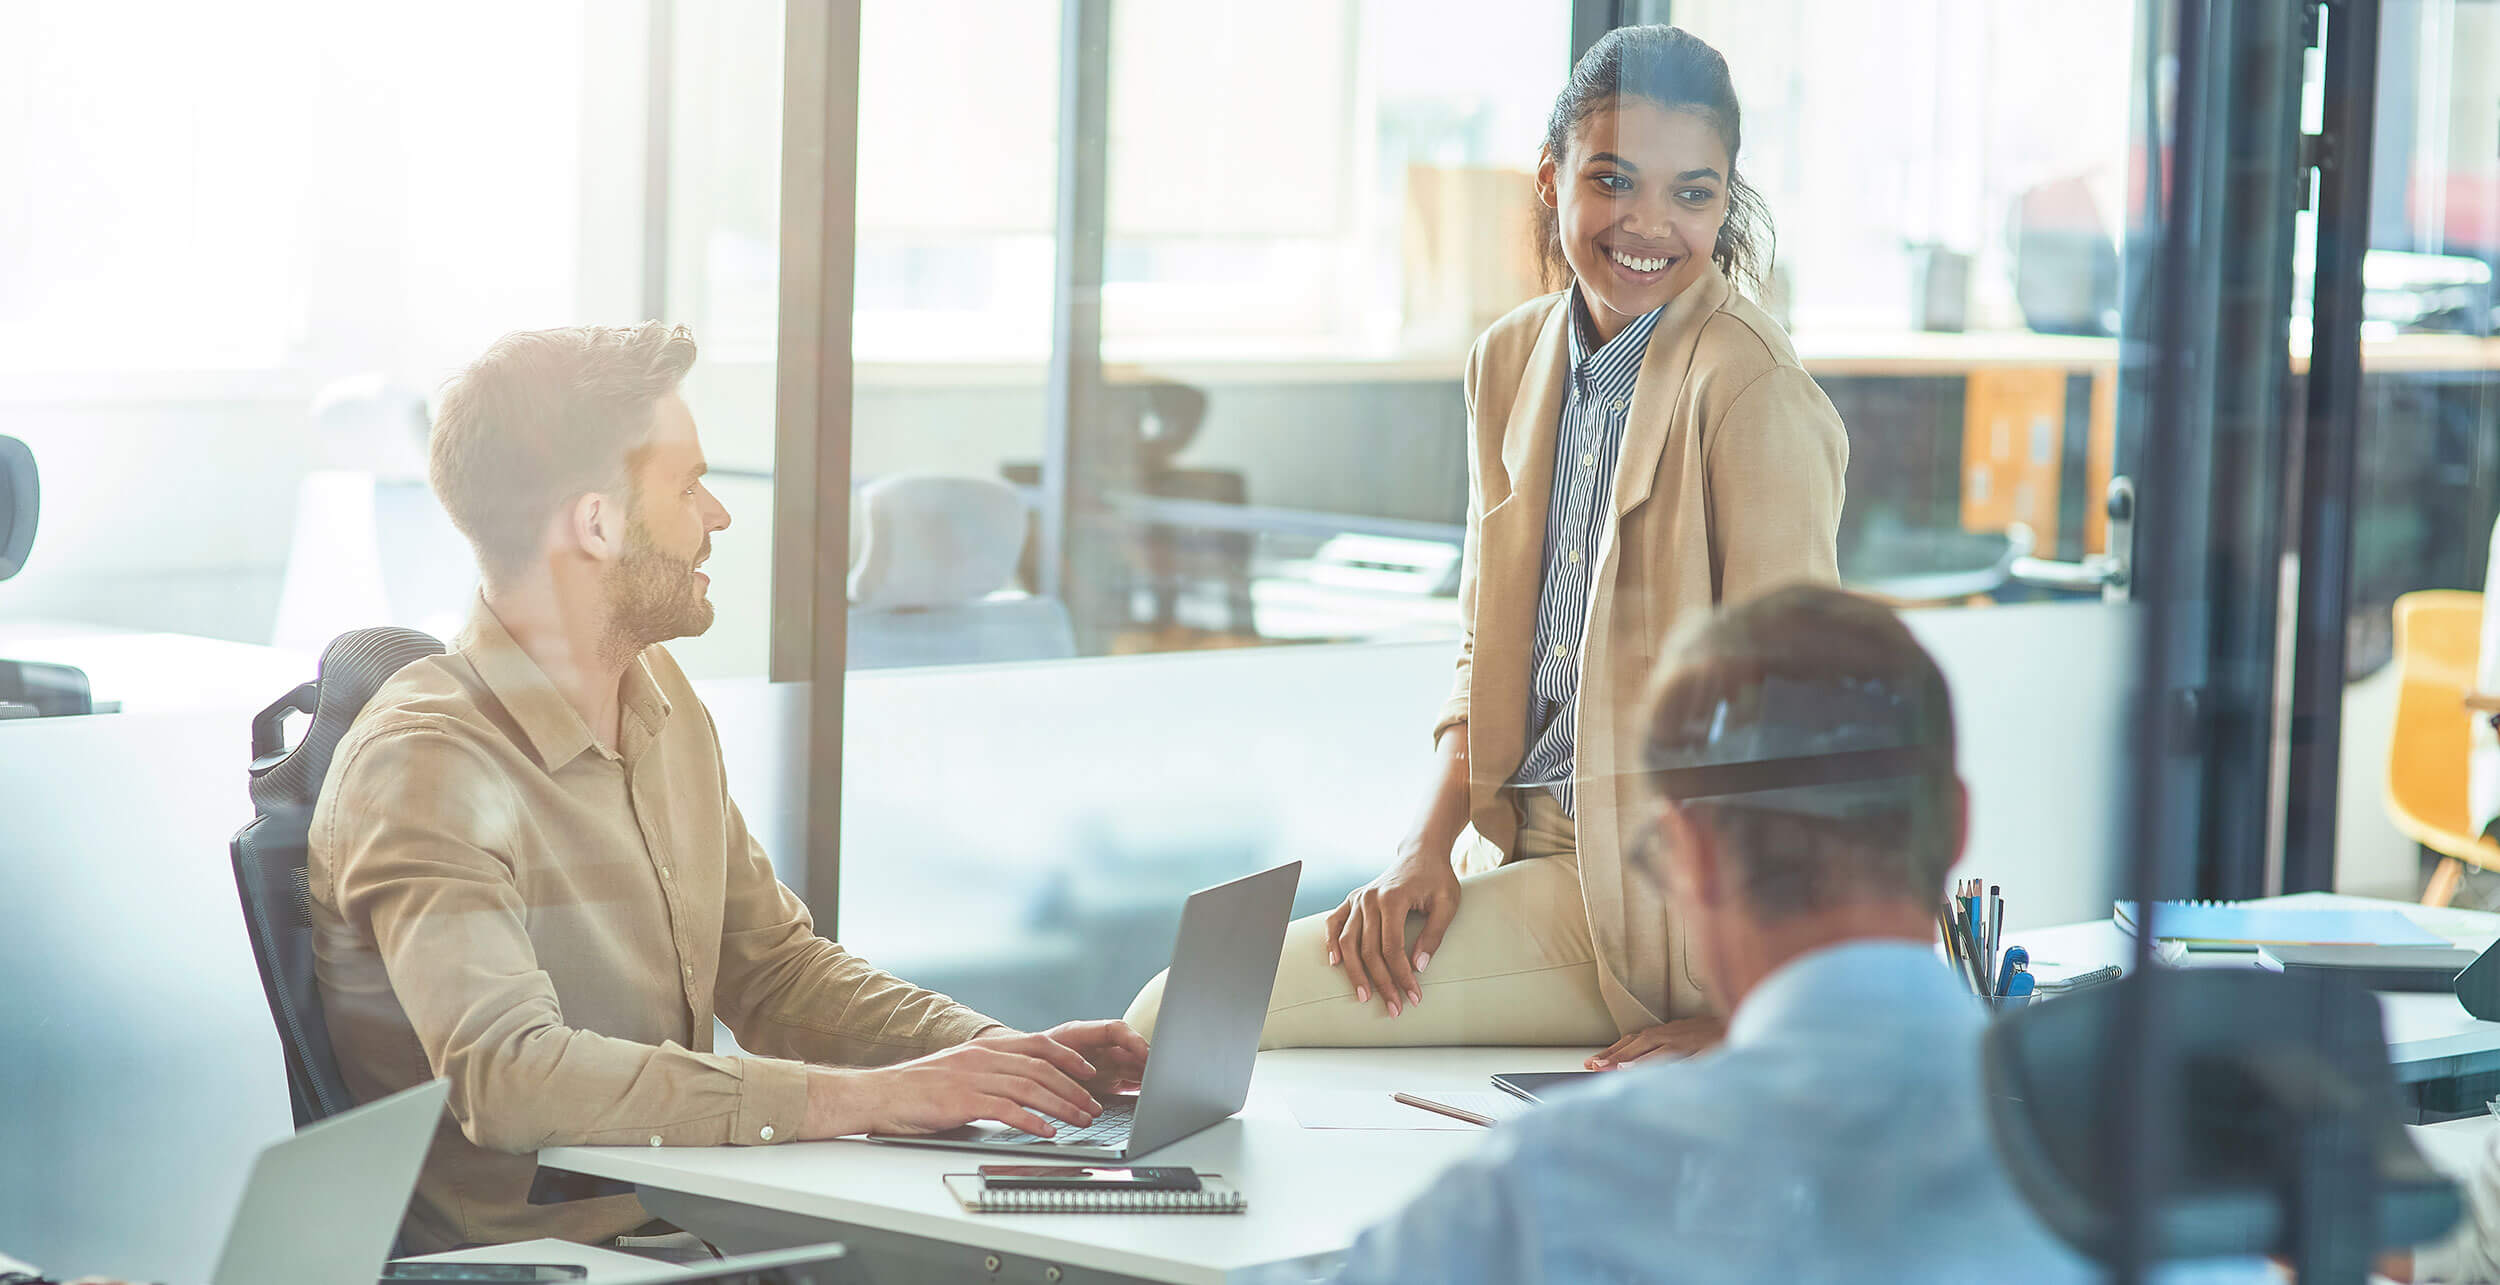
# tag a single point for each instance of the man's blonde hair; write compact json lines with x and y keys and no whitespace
{"x":544,"y":417}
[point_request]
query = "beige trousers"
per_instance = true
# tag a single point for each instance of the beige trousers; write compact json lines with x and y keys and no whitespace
{"x":1516,"y":967}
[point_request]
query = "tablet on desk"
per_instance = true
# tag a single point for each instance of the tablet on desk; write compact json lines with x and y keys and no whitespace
{"x":1541,"y":1086}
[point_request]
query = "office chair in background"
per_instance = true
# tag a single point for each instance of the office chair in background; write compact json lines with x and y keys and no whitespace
{"x":30,"y":689}
{"x":935,"y":554}
{"x":1158,"y":422}
{"x":2428,"y":753}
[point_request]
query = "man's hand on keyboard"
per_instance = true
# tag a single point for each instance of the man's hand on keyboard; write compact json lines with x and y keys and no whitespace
{"x":1006,"y":1076}
{"x":1118,"y":1053}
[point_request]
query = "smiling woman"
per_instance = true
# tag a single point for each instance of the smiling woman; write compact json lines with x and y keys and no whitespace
{"x":1672,"y":93}
{"x":1643,"y":446}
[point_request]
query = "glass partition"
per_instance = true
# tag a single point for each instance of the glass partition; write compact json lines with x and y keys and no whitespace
{"x":261,"y":241}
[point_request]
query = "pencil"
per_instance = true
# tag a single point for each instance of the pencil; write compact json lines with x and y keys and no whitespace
{"x":1444,"y":1108}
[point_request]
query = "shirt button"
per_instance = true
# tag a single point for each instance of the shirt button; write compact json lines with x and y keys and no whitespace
{"x":1589,"y":460}
{"x":667,"y":873}
{"x":689,"y":970}
{"x":766,"y":1133}
{"x":1575,"y":555}
{"x":1559,"y":651}
{"x":655,"y":1139}
{"x":1618,"y":403}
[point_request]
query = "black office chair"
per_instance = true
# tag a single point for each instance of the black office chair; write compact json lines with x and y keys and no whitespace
{"x":2286,"y":1141}
{"x":269,"y":854}
{"x":269,"y":872}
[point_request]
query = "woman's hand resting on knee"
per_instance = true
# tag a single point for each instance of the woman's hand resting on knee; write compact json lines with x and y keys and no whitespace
{"x":1367,"y":935}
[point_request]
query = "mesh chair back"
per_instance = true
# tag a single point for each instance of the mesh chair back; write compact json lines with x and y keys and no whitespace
{"x":269,"y":854}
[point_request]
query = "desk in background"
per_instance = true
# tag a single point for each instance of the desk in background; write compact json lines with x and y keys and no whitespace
{"x":134,"y":672}
{"x":2441,"y":1053}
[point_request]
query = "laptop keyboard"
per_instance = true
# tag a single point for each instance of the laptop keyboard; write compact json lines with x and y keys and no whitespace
{"x":1110,"y":1129}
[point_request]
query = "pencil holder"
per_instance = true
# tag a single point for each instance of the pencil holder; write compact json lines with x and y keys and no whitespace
{"x":2002,"y":1004}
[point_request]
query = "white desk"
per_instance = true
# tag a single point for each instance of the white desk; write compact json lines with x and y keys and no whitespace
{"x":1311,"y":1190}
{"x":156,"y":673}
{"x":2429,"y":1036}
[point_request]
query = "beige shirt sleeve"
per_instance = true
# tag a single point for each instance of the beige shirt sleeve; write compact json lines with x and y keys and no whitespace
{"x":789,"y":993}
{"x":423,"y":878}
{"x":1777,"y":459}
{"x":1454,"y":710}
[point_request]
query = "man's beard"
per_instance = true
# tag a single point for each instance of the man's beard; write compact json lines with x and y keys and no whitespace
{"x":652,"y":595}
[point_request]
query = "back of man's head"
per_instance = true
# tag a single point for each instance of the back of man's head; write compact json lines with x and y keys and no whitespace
{"x":1809,"y":732}
{"x":544,"y":417}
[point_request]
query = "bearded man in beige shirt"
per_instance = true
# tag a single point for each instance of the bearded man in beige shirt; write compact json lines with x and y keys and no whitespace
{"x":526,"y":871}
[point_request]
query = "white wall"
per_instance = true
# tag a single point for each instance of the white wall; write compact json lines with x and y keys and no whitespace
{"x":2372,"y":858}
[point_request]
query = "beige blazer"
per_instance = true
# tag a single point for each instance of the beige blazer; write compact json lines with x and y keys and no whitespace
{"x":1729,"y":484}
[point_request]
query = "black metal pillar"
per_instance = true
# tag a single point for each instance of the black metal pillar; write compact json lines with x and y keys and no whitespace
{"x":2255,"y":186}
{"x":2204,"y":366}
{"x":1593,"y":18}
{"x":1589,"y":20}
{"x":2330,"y":444}
{"x":2166,"y":430}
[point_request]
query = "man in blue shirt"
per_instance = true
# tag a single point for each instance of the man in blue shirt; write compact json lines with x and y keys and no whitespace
{"x":1799,"y":755}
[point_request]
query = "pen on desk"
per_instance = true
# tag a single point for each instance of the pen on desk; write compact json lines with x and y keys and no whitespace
{"x":1948,"y":922}
{"x":1977,"y":934}
{"x":1996,"y":925}
{"x":1443,"y":1108}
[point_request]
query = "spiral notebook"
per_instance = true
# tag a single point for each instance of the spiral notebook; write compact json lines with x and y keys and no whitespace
{"x":2228,"y":925}
{"x":1214,"y":1196}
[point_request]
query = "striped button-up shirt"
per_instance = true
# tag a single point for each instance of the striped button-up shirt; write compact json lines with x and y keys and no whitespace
{"x":1596,"y":403}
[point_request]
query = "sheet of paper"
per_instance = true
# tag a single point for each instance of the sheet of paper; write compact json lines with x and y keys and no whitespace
{"x":1366,"y":1109}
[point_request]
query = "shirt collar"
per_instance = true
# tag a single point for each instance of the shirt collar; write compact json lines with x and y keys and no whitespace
{"x":1880,"y":979}
{"x":1614,"y":364}
{"x":554,"y":729}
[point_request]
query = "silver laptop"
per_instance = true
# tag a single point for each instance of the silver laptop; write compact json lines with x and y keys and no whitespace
{"x":322,"y":1207}
{"x":1214,"y":1004}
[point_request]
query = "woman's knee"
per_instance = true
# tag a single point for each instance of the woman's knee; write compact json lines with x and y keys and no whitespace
{"x":1143,"y":1010}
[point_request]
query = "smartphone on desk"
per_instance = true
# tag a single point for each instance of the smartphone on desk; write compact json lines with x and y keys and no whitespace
{"x":1089,"y":1178}
{"x":445,"y":1273}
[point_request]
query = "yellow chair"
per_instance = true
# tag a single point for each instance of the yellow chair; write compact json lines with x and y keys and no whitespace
{"x":2438,"y":635}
